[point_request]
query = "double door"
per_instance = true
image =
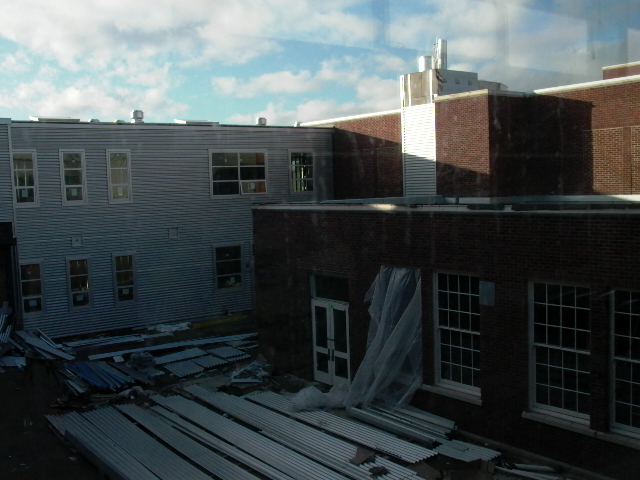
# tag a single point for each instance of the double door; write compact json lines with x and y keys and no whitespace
{"x":331,"y":341}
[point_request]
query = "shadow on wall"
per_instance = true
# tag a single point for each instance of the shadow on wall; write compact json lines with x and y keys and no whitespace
{"x":366,"y":166}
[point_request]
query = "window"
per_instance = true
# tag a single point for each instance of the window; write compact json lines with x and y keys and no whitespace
{"x":31,"y":287}
{"x":238,"y":172}
{"x":72,"y":171}
{"x":79,"y":282}
{"x":25,"y":178}
{"x":457,"y":305}
{"x":228,"y":266}
{"x":123,"y":269}
{"x":626,"y":361}
{"x":119,"y":176}
{"x":301,"y":171}
{"x":561,"y":342}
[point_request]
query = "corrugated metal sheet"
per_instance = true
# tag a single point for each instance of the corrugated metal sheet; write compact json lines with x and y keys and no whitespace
{"x":276,"y":455}
{"x":354,"y":431}
{"x":204,"y":457}
{"x":170,"y":183}
{"x":183,"y":369}
{"x":419,"y":149}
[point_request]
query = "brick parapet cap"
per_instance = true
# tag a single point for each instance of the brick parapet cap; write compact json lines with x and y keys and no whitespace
{"x":587,"y":85}
{"x":332,"y":121}
{"x":622,"y":65}
{"x":478,"y":93}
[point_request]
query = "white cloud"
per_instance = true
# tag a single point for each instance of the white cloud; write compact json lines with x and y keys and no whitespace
{"x":270,"y":83}
{"x":18,"y":62}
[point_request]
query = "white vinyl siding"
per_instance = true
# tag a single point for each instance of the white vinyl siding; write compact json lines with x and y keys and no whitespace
{"x":419,"y":149}
{"x":25,"y":178}
{"x":73,"y":176}
{"x":119,"y":176}
{"x":560,"y":318}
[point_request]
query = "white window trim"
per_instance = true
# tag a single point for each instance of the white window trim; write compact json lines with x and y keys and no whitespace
{"x":63,"y":186}
{"x":40,"y":262}
{"x":89,"y":305}
{"x":117,"y":301}
{"x":243,"y":276}
{"x":314,"y":166}
{"x":36,"y":197}
{"x":129,"y":176}
{"x":442,"y":385}
{"x":239,"y":150}
{"x":540,"y":409}
{"x":618,"y":428}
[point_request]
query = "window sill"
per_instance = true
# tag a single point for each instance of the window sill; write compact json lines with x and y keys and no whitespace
{"x":450,"y":392}
{"x":583,"y":429}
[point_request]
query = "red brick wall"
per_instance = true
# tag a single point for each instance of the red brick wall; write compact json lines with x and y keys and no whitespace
{"x":510,"y":249}
{"x":567,"y":143}
{"x":463,"y":153}
{"x":622,"y":71}
{"x":368,"y":157}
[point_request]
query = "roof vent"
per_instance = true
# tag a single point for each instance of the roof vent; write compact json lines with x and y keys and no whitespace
{"x":261,"y":121}
{"x":94,"y":120}
{"x":137,"y":116}
{"x":296,"y":124}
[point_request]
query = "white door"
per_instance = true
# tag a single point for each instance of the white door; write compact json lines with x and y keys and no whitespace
{"x":331,"y":360}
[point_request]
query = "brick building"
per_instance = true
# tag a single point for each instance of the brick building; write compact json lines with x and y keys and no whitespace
{"x":549,"y":364}
{"x":530,"y":296}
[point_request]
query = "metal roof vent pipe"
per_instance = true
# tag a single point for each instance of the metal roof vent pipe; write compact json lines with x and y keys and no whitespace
{"x":425,"y":63}
{"x":261,"y":121}
{"x":137,"y":116}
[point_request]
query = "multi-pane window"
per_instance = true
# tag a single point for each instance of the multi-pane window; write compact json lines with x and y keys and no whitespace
{"x":235,"y":173}
{"x":74,"y":187}
{"x":79,"y":282}
{"x":626,"y":360}
{"x":458,"y":331}
{"x":25,"y":182}
{"x":561,"y":342}
{"x":31,"y":287}
{"x":228,"y":266}
{"x":119,"y":176}
{"x":301,"y":171}
{"x":124,"y":277}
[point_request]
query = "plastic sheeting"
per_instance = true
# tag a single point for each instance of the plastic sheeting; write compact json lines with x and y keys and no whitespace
{"x":392,"y":367}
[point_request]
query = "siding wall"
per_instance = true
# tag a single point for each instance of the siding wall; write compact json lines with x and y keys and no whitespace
{"x":419,"y":149}
{"x":6,"y":192}
{"x":171,"y":189}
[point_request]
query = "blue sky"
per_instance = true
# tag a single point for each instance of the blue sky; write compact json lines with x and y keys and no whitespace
{"x":287,"y":60}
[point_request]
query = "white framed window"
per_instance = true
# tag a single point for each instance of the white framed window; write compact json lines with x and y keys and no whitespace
{"x":31,"y":287}
{"x":73,"y":175}
{"x":626,"y":362}
{"x":24,"y":178}
{"x":561,"y":331}
{"x":301,"y":164}
{"x":457,"y":328}
{"x":124,"y":277}
{"x":119,"y":176}
{"x":79,"y":282}
{"x":238,"y":172}
{"x":228,"y":266}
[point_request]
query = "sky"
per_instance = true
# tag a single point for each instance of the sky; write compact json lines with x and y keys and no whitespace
{"x":231,"y":61}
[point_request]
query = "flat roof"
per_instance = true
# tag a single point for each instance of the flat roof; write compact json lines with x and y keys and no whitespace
{"x":352,"y":117}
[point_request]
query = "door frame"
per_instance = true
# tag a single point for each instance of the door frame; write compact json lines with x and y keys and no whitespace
{"x":330,"y":377}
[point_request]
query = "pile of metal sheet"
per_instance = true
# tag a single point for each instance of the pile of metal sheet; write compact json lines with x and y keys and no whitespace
{"x":99,"y":375}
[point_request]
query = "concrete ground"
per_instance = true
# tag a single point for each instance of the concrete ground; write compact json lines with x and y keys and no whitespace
{"x":29,"y":449}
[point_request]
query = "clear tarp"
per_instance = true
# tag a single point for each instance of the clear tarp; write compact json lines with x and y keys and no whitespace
{"x":392,"y":367}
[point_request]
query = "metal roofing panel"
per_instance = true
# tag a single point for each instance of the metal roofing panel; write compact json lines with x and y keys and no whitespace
{"x":184,"y":368}
{"x":362,"y":434}
{"x":279,"y":456}
{"x":226,"y":352}
{"x":101,"y":450}
{"x":183,"y":355}
{"x":148,"y":451}
{"x":193,"y":450}
{"x":209,"y":361}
